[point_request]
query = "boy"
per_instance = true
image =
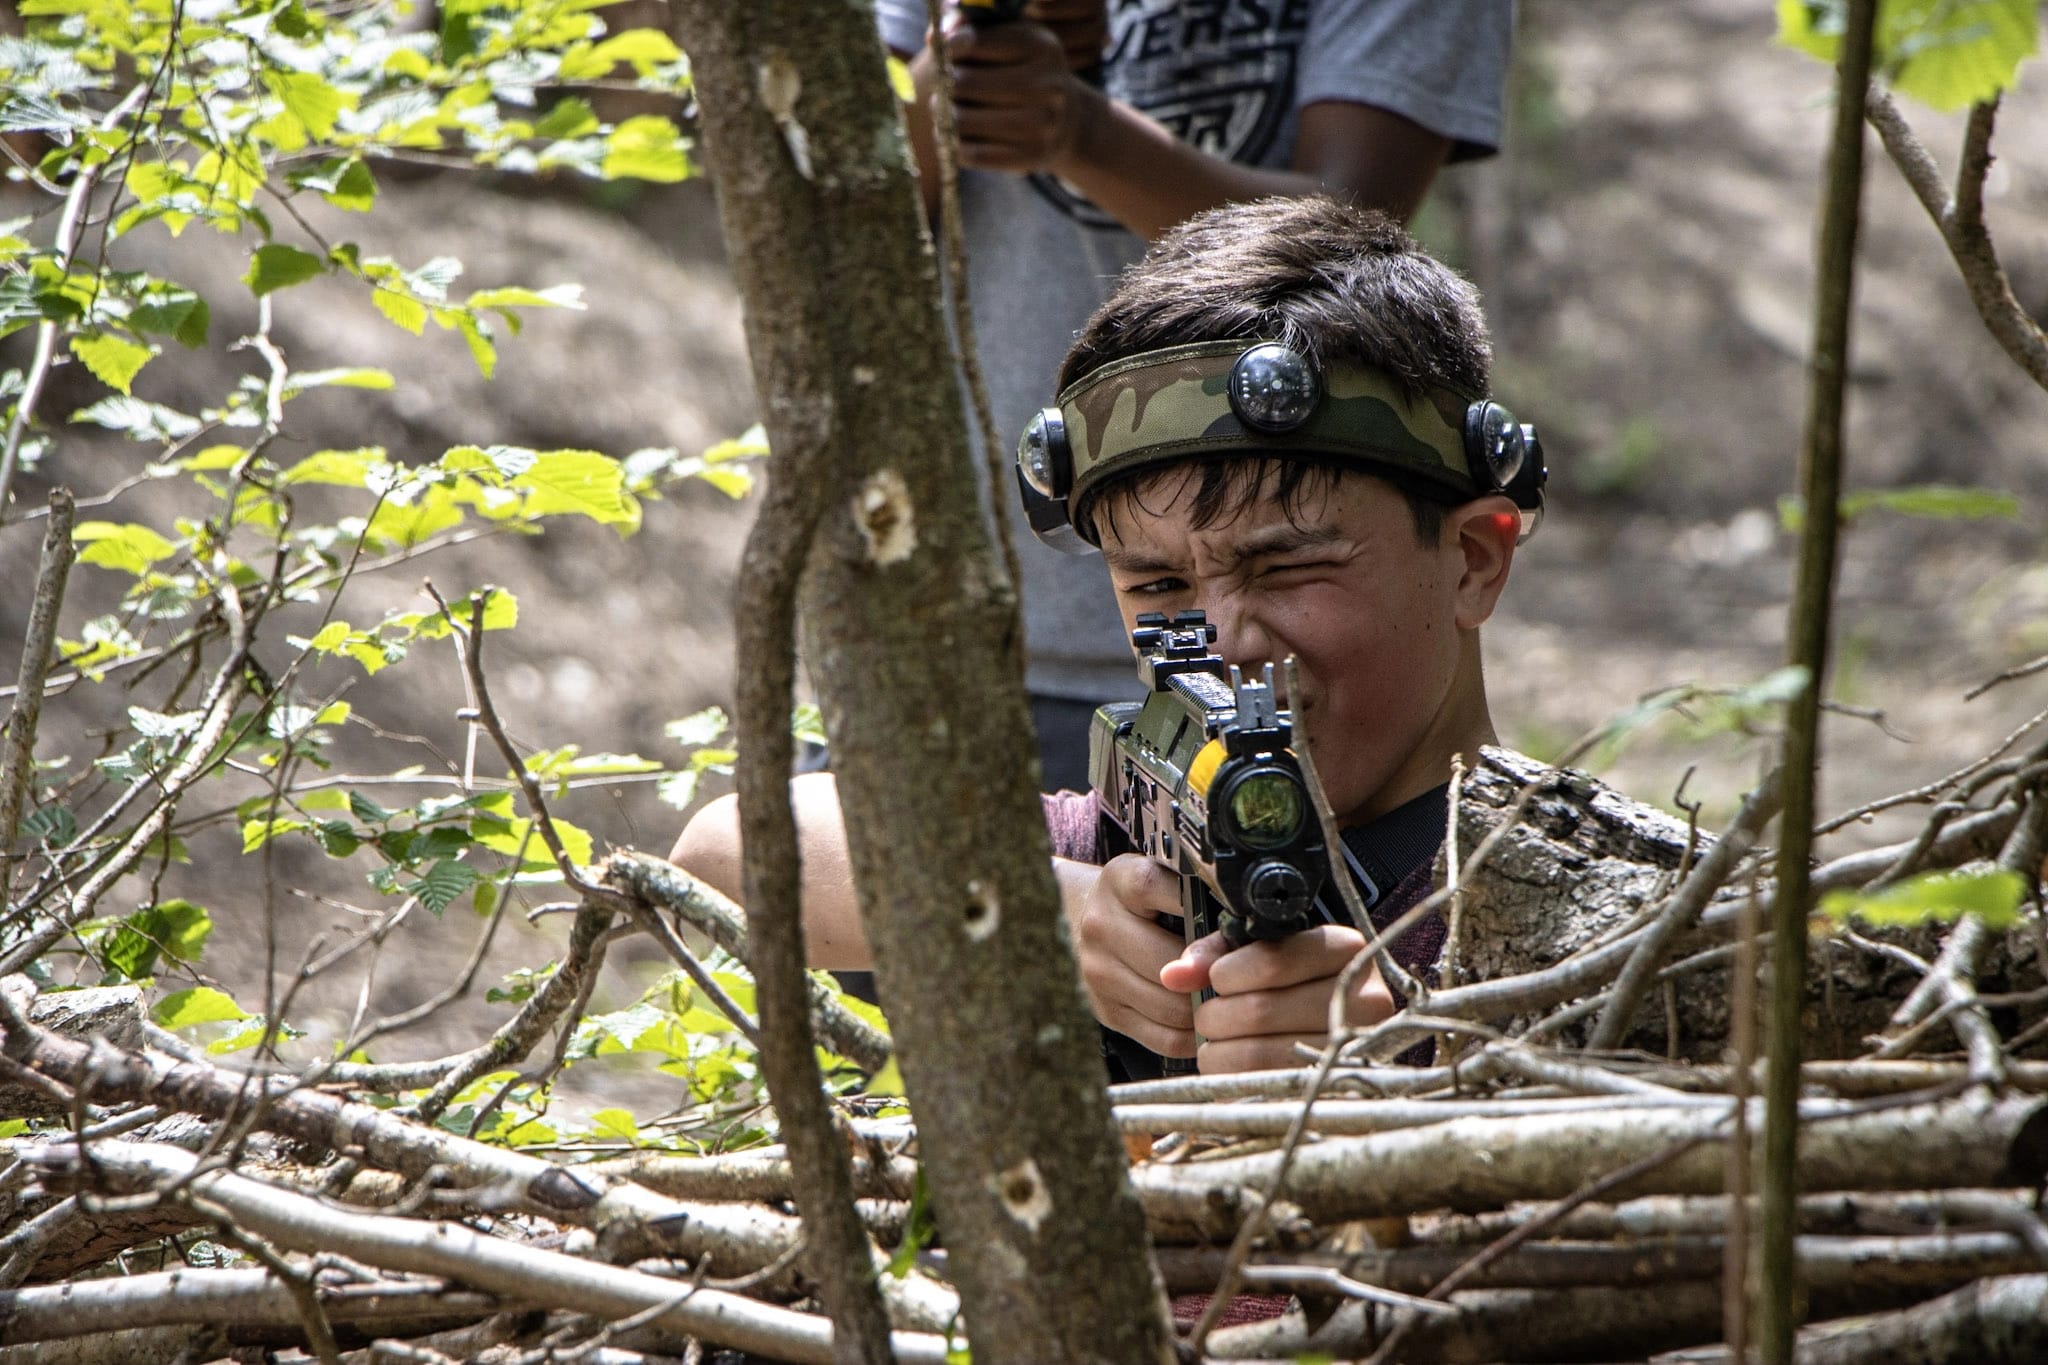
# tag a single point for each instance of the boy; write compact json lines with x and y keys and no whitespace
{"x":1276,"y":418}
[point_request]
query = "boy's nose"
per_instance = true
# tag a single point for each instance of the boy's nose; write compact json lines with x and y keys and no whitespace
{"x":1240,"y":639}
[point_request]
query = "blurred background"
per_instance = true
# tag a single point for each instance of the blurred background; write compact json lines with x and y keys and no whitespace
{"x":1644,"y":246}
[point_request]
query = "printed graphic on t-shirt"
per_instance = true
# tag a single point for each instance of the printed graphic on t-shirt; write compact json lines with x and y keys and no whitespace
{"x":1218,"y":74}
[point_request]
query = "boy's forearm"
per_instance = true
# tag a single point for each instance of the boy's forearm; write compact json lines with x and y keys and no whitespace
{"x":1137,"y":170}
{"x":709,"y":848}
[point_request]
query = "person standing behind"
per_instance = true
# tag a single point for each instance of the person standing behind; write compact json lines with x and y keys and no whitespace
{"x":1093,"y":126}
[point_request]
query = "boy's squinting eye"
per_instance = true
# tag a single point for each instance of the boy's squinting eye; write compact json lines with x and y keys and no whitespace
{"x":1153,"y":587}
{"x":1296,"y":567}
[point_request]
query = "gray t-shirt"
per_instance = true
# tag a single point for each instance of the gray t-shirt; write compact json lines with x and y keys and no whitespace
{"x":1229,"y":77}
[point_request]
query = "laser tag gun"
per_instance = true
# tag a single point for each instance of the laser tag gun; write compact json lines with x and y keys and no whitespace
{"x":984,"y":13}
{"x":1201,"y":777}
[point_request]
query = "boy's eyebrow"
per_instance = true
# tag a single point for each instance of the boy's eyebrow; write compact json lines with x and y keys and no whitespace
{"x":1284,"y":538}
{"x":1135,"y":561}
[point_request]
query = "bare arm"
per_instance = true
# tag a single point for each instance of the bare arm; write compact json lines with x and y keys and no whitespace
{"x":709,"y":848}
{"x":1023,"y":109}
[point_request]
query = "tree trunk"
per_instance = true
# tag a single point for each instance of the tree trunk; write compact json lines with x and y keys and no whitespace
{"x":915,"y":647}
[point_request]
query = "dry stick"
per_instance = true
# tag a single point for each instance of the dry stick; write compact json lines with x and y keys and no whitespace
{"x":1339,"y":1033}
{"x":224,"y":693}
{"x":517,"y":1036}
{"x":842,"y":1257}
{"x":2025,"y":670}
{"x":1949,"y":990}
{"x":1966,"y":780}
{"x":1808,"y":639}
{"x":946,"y":139}
{"x":2000,"y":1321}
{"x":246,"y":1298}
{"x":305,"y":1298}
{"x":492,"y":1264}
{"x":1738,"y":1256}
{"x":1959,"y":217}
{"x":1454,"y":929}
{"x":667,"y":887}
{"x":1378,"y":947}
{"x":1938,"y":1259}
{"x":1241,"y":1245}
{"x":1405,"y":1324}
{"x":657,"y":928}
{"x":65,"y":245}
{"x":1681,"y":911}
{"x":626,"y":1216}
{"x":17,"y":771}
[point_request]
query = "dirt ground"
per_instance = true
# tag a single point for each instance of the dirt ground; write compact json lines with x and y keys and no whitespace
{"x":1643,"y":244}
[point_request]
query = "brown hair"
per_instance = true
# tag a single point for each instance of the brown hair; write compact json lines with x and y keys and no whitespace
{"x":1332,"y":280}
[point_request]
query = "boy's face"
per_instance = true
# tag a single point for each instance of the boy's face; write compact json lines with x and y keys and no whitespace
{"x":1381,"y":625}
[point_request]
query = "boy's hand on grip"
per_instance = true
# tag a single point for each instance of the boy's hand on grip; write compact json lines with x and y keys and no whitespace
{"x":1113,"y":912}
{"x":1271,"y":996}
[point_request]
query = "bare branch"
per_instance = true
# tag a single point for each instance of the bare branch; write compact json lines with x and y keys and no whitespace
{"x":1681,"y":910}
{"x":667,"y":887}
{"x":17,"y":771}
{"x":1960,"y":221}
{"x":492,"y":1265}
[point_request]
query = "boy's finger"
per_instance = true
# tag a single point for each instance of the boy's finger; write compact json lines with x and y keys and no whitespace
{"x":1191,"y":970}
{"x":1141,"y":886}
{"x":1319,"y":952}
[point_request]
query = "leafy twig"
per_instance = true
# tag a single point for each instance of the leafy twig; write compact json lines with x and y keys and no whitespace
{"x":1808,"y":636}
{"x":17,"y":771}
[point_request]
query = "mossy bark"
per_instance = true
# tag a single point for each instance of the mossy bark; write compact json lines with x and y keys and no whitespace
{"x":914,"y":644}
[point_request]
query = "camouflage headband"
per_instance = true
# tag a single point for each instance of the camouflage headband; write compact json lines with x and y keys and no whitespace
{"x":1176,"y":404}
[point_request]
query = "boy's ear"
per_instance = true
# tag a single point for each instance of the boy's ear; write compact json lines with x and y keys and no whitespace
{"x":1483,"y":531}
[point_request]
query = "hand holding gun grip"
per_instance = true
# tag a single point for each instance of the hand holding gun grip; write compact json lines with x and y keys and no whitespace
{"x":1202,"y":778}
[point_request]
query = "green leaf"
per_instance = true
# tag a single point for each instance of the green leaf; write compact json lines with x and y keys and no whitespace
{"x":641,"y":48}
{"x":646,"y":147}
{"x":402,"y":308}
{"x":310,"y":100}
{"x":257,"y":833}
{"x":129,"y":547}
{"x":178,"y":313}
{"x":53,"y":825}
{"x":615,"y":1123}
{"x":1993,"y":896}
{"x":277,"y":266}
{"x":349,"y":377}
{"x":341,"y":468}
{"x":443,"y":882}
{"x":1932,"y":501}
{"x":331,"y":637}
{"x":137,"y":420}
{"x":700,"y":727}
{"x":114,"y":361}
{"x":582,"y":482}
{"x":571,"y":117}
{"x":919,"y":1228}
{"x":356,"y":191}
{"x":517,"y":838}
{"x":514,"y":296}
{"x":199,"y":1005}
{"x":366,"y":810}
{"x":178,"y":929}
{"x":1945,"y":53}
{"x":901,"y":81}
{"x":1936,"y":502}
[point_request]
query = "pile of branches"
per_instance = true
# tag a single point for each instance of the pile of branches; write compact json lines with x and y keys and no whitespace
{"x":1514,"y":1200}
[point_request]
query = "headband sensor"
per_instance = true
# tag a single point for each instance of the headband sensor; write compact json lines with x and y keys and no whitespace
{"x":1261,"y":398}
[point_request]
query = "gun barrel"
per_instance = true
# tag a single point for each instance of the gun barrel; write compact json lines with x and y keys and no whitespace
{"x":1202,"y":778}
